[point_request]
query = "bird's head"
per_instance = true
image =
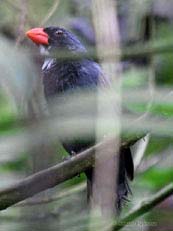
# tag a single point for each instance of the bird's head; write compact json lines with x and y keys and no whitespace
{"x":51,"y":39}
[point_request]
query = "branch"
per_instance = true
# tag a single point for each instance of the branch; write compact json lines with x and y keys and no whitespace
{"x":17,"y":7}
{"x":22,"y":21}
{"x":104,"y":15}
{"x":134,"y":52}
{"x":63,"y":194}
{"x":52,"y":176}
{"x":57,"y":174}
{"x":145,"y":206}
{"x":46,"y":179}
{"x":50,"y":12}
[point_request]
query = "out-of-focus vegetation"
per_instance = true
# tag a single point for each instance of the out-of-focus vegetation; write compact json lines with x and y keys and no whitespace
{"x":150,"y":76}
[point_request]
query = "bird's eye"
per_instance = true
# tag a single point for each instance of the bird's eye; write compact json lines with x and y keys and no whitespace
{"x":59,"y":32}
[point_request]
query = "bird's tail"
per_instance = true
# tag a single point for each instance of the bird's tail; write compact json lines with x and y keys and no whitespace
{"x":126,"y":172}
{"x":89,"y":175}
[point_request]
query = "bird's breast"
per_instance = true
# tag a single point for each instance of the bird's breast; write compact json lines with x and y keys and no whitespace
{"x":60,"y":77}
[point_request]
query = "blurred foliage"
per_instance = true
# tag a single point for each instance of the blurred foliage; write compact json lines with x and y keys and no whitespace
{"x":7,"y":117}
{"x":163,"y":63}
{"x":156,"y":178}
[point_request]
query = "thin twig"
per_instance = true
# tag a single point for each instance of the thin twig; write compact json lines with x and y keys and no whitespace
{"x":145,"y":206}
{"x":23,"y":17}
{"x":149,"y":163}
{"x":136,"y":51}
{"x":13,"y":4}
{"x":16,"y":7}
{"x":63,"y":194}
{"x":50,"y":12}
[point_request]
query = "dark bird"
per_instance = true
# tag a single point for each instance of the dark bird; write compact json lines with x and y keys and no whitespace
{"x":61,"y":76}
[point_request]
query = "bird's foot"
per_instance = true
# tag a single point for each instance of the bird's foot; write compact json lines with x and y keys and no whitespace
{"x":73,"y":153}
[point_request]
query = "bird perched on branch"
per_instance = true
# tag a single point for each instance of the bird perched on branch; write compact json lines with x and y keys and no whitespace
{"x":62,"y":75}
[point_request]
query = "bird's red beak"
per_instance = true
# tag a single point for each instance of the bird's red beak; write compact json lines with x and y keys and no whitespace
{"x":38,"y":36}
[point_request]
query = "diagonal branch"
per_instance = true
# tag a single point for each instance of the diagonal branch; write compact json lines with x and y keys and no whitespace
{"x":50,"y":12}
{"x":55,"y":175}
{"x":145,"y":206}
{"x":22,"y":22}
{"x":133,"y":52}
{"x":52,"y":176}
